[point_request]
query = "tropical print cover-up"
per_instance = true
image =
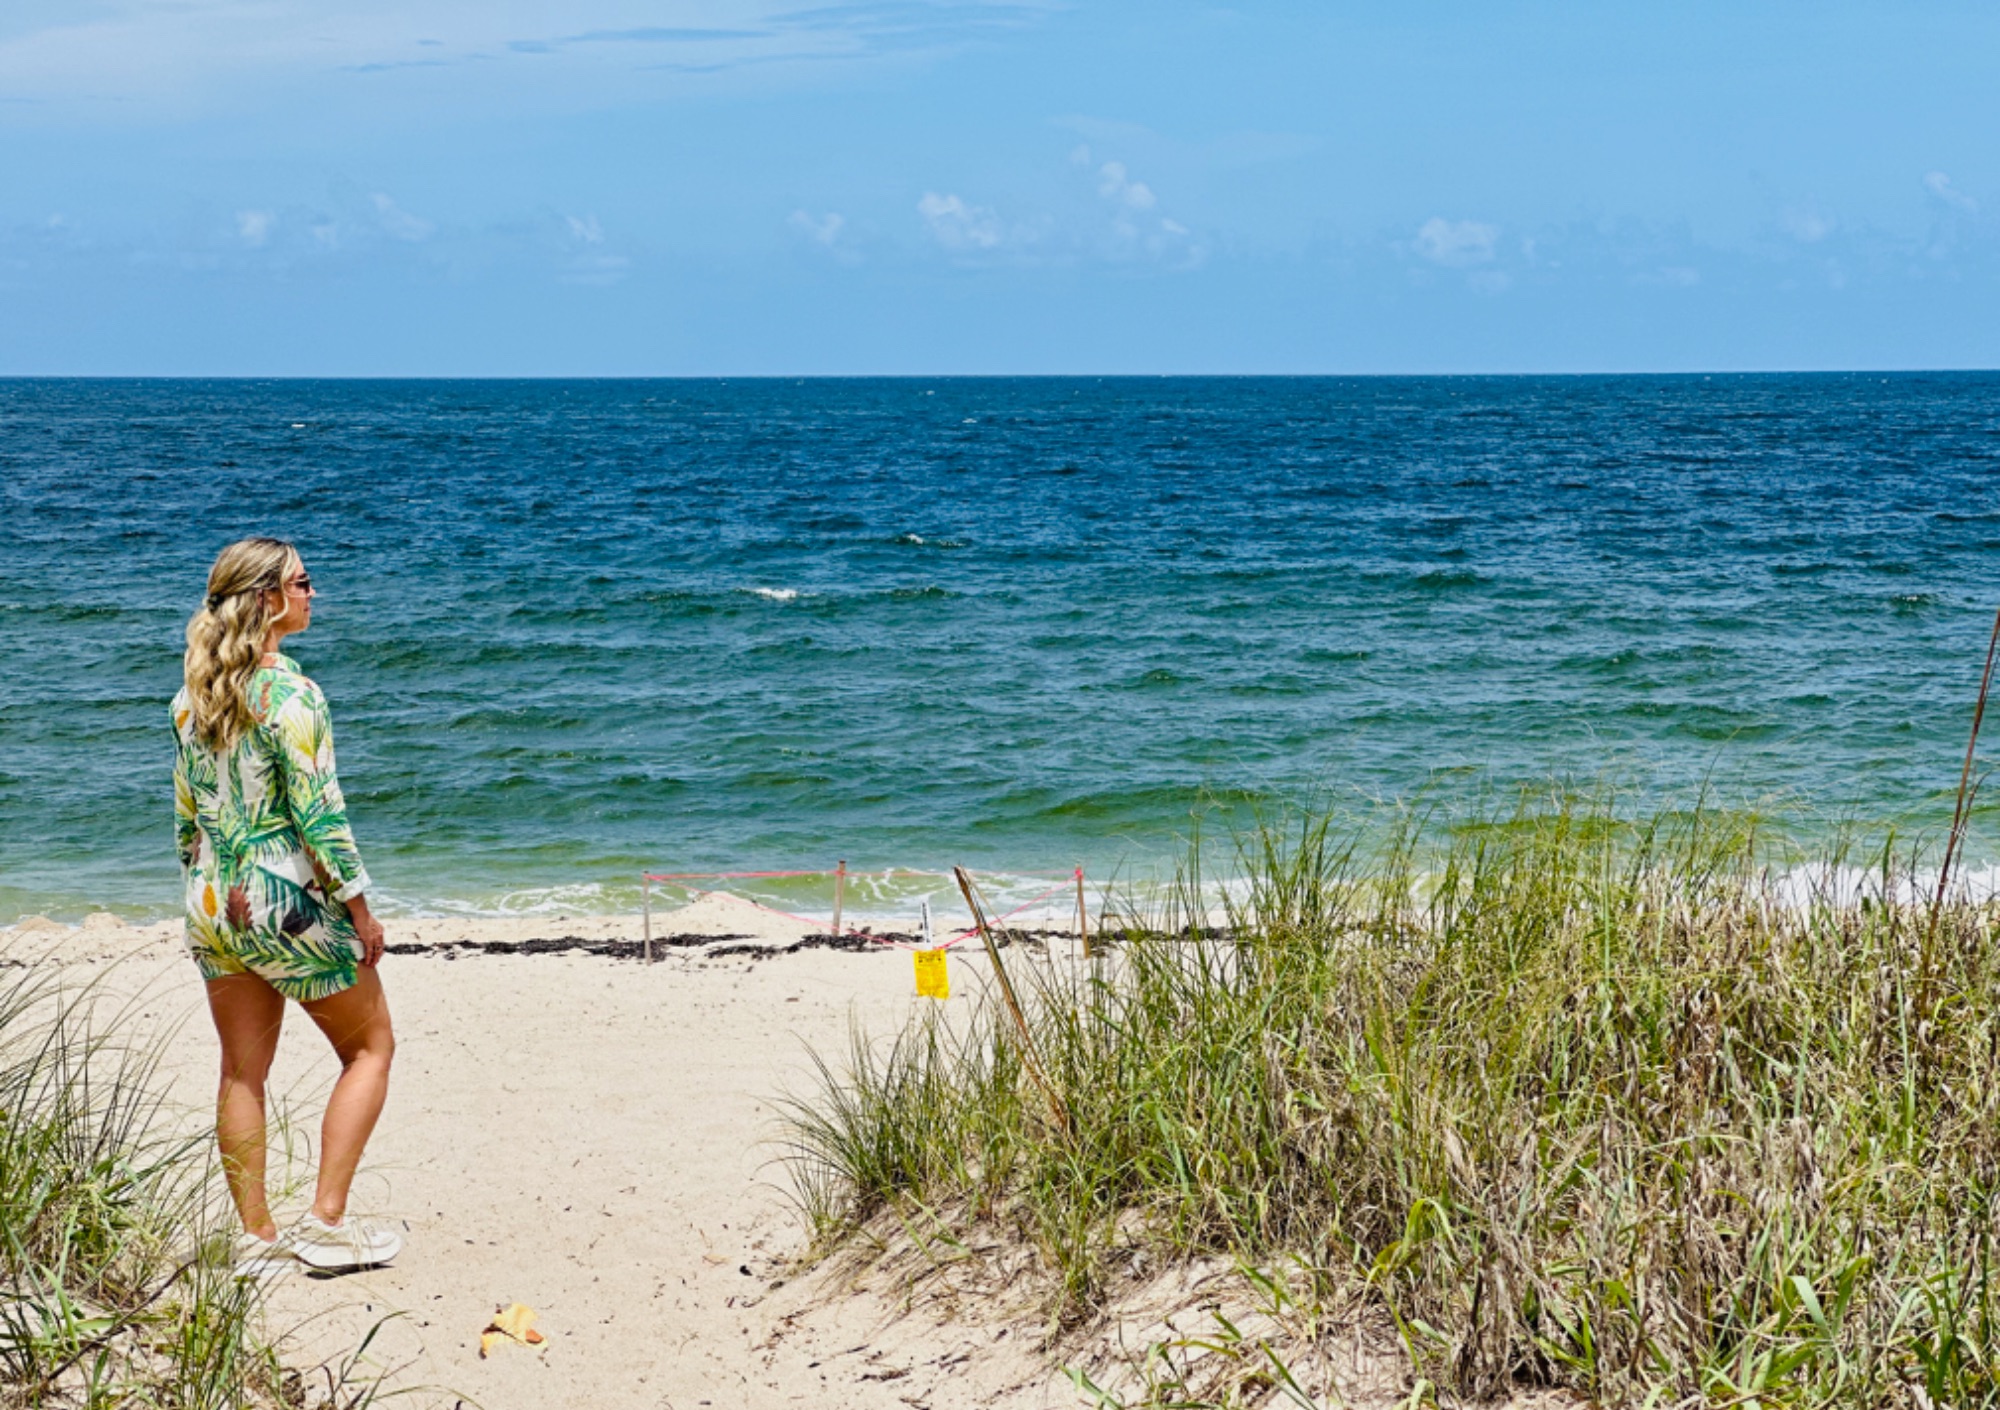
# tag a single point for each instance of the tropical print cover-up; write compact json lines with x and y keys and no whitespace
{"x":268,"y":861}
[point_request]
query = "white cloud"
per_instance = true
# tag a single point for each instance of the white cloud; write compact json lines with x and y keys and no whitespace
{"x":1118,"y":221}
{"x":1456,"y":243}
{"x":1808,"y":226}
{"x":587,"y":259}
{"x":537,"y":51}
{"x":1115,"y":184}
{"x":1939,"y":185}
{"x":822,"y":230}
{"x":959,"y":226}
{"x":399,"y":222}
{"x":254,"y":227}
{"x":1138,"y":230}
{"x":596,"y":269}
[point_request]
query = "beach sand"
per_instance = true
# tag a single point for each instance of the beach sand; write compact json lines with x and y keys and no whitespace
{"x":597,"y":1138}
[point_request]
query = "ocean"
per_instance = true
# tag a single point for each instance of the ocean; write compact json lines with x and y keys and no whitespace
{"x":572,"y":631}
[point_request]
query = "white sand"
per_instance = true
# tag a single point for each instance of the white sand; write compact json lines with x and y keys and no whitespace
{"x":596,"y":1138}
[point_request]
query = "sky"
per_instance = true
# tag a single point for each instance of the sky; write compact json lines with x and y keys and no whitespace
{"x":735,"y":187}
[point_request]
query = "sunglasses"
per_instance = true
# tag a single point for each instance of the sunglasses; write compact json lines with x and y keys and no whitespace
{"x":302,"y":583}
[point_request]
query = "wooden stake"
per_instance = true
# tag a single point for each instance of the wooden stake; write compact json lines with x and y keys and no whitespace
{"x":648,"y":905}
{"x":1961,"y":815}
{"x":839,"y":894}
{"x":1082,"y":913}
{"x":1029,"y":1058}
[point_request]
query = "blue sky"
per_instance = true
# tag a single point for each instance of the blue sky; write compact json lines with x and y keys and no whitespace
{"x":471,"y":187}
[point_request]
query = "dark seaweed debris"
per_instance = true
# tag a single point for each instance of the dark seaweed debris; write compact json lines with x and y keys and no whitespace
{"x":712,"y":947}
{"x":561,"y":945}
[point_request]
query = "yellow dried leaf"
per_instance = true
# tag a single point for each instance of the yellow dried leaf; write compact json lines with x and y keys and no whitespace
{"x":516,"y":1320}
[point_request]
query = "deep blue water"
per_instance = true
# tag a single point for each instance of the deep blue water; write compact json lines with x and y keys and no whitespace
{"x":571,"y":629}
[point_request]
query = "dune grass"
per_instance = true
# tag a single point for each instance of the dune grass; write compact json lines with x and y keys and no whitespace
{"x":1567,"y":1100}
{"x":115,"y":1244}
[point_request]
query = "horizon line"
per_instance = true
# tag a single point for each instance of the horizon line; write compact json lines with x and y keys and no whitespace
{"x":15,"y":377}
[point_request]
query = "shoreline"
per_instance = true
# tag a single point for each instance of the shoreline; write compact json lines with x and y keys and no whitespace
{"x":1794,"y":839}
{"x":719,"y":918}
{"x":870,"y":902}
{"x":717,"y":924}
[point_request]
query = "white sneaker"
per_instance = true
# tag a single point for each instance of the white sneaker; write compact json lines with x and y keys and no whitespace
{"x":255,"y":1260}
{"x":352,"y":1243}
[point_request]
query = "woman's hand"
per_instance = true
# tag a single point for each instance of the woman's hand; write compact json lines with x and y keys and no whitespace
{"x":367,"y":930}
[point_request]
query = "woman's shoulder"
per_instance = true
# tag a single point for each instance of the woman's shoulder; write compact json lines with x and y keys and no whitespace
{"x":282,"y":689}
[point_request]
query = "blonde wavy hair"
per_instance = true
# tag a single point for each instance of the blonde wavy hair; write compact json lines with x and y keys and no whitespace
{"x":225,"y":638}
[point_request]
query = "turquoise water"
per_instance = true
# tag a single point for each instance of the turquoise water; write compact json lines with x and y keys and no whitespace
{"x":572,"y":630}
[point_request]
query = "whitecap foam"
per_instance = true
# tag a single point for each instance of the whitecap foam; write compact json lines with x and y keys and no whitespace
{"x":1821,"y":885}
{"x":919,"y":541}
{"x":771,"y":594}
{"x":1047,"y":901}
{"x":575,"y":898}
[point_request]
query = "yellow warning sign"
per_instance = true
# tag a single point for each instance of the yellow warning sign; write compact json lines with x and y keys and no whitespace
{"x":933,"y":979}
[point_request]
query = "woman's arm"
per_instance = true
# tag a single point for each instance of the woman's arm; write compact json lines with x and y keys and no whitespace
{"x":319,"y":811}
{"x":367,"y":929}
{"x":187,"y":834}
{"x":312,"y":789}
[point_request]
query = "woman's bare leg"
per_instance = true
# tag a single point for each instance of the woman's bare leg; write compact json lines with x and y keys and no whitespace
{"x":356,"y":1022}
{"x":248,"y":1016}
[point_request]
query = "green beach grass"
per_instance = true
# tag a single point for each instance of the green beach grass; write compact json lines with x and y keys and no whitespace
{"x":115,"y":1243}
{"x":1558,"y":1099}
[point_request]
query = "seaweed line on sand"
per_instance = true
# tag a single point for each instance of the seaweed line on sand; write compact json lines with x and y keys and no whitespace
{"x":708,"y":947}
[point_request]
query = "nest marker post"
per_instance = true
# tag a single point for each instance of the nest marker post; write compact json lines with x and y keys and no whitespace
{"x":1031,"y":1060}
{"x":839,"y":894}
{"x":1082,"y":913}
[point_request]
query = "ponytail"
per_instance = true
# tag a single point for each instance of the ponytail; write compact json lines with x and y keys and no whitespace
{"x":225,"y":638}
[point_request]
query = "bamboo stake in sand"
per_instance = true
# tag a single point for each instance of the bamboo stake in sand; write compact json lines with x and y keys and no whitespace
{"x":1961,"y":816}
{"x":647,"y":905}
{"x":1029,"y":1058}
{"x":839,"y":894}
{"x":1082,"y":913}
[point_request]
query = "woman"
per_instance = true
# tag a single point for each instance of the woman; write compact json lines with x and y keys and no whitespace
{"x":276,"y":897}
